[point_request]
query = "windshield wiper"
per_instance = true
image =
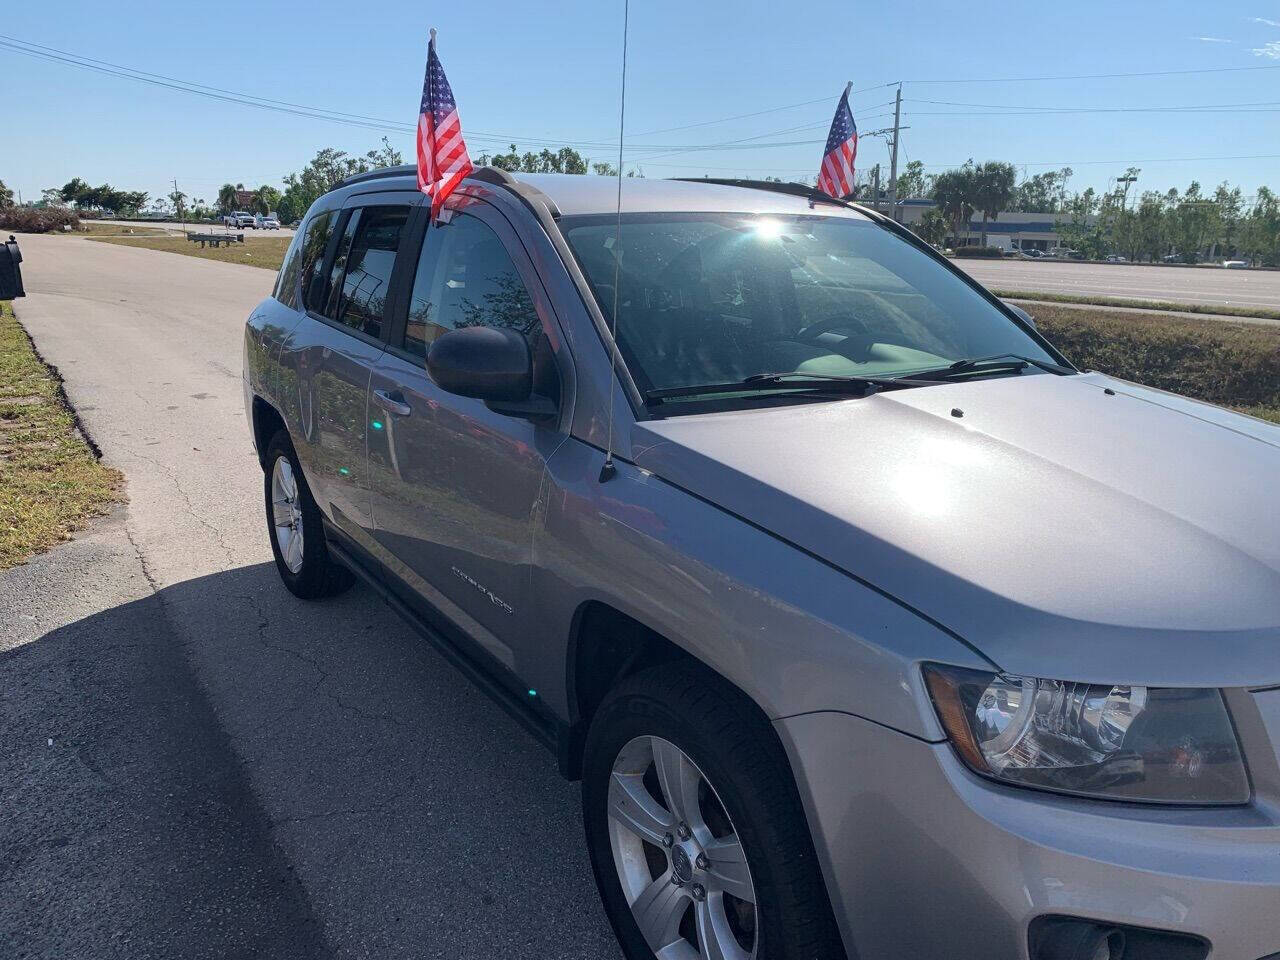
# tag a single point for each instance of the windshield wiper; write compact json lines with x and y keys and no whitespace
{"x":996,"y":363}
{"x":785,"y":381}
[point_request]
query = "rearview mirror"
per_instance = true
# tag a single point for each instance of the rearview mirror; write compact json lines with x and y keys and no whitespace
{"x":493,"y":364}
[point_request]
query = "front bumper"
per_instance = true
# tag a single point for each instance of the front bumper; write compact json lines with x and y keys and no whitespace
{"x":924,"y":859}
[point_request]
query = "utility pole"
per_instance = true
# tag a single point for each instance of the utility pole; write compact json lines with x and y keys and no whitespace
{"x":893,"y":156}
{"x":875,"y":187}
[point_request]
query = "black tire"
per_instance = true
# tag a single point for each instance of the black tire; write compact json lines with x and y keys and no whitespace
{"x":320,"y":575}
{"x":732,"y":743}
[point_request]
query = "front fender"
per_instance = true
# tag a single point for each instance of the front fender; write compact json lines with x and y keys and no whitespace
{"x":793,"y":633}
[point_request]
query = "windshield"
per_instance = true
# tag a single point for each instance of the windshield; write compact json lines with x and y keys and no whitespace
{"x":716,"y":298}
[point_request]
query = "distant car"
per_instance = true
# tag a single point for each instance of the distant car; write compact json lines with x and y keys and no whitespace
{"x":1235,"y":264}
{"x":269,"y":222}
{"x":1116,"y":259}
{"x":1034,"y":254}
{"x":240,"y":219}
{"x":1171,"y":258}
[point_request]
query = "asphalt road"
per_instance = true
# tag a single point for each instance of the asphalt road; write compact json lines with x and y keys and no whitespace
{"x":197,"y":764}
{"x":1204,"y":285}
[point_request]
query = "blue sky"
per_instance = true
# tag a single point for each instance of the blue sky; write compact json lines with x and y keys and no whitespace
{"x":549,"y":72}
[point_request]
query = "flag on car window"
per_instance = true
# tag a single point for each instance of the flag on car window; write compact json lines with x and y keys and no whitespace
{"x":835,"y":177}
{"x":442,"y":154}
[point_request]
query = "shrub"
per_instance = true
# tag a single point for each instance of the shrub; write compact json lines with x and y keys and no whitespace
{"x":1232,"y":364}
{"x":37,"y":219}
{"x":993,"y":252}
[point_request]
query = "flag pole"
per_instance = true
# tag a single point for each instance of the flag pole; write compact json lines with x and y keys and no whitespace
{"x":433,"y":37}
{"x":847,"y":87}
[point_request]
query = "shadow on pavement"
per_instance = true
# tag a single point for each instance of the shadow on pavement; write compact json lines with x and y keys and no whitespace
{"x":330,"y":786}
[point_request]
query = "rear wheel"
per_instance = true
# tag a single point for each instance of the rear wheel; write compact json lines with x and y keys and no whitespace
{"x":295,"y":527}
{"x":698,"y":841}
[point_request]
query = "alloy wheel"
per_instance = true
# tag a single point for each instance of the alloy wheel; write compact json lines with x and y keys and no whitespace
{"x":679,"y":859}
{"x":286,"y":513}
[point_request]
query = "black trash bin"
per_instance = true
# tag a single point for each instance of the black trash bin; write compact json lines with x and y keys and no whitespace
{"x":10,"y":271}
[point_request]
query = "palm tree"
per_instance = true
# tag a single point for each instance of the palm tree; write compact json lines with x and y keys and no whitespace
{"x":226,"y":198}
{"x":953,"y":191}
{"x":993,"y":184}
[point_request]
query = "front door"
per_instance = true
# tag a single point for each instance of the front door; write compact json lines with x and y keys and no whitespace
{"x":455,"y":485}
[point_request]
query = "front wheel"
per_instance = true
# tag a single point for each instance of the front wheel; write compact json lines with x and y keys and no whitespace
{"x":697,"y":836}
{"x":296,"y":529}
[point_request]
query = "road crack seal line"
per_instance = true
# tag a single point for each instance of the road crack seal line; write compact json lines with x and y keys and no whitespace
{"x":191,"y":510}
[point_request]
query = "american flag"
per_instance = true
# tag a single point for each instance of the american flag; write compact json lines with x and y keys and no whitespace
{"x":836,"y":174}
{"x":442,"y":155}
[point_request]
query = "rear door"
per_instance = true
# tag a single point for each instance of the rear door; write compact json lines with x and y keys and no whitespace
{"x":456,"y":487}
{"x":346,"y":297}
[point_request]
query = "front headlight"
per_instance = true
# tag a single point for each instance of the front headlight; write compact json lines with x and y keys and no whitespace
{"x":1160,"y":745}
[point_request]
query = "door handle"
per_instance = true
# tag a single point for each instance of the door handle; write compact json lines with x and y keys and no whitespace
{"x":392,"y":402}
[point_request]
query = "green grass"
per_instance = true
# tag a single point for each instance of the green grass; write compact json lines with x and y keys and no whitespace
{"x":1234,"y":365}
{"x":1164,"y":305}
{"x":88,"y":228}
{"x":266,"y":252}
{"x":51,"y":482}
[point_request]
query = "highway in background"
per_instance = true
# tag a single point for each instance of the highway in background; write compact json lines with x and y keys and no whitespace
{"x":1258,"y":289}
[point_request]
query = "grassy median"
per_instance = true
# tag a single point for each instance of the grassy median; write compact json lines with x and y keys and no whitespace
{"x":1231,"y":364}
{"x":265,"y":252}
{"x":51,"y":481}
{"x":1168,"y":306}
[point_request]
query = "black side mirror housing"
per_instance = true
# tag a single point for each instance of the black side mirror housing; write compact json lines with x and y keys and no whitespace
{"x":10,"y":272}
{"x":493,"y":364}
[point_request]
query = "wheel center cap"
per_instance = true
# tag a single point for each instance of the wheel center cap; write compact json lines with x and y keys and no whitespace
{"x":681,"y":865}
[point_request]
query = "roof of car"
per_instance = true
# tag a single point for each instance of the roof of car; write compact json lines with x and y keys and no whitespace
{"x":575,"y":194}
{"x":591,"y":194}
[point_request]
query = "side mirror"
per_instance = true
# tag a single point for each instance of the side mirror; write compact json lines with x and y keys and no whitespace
{"x":493,"y":364}
{"x":10,"y":272}
{"x":1022,"y":314}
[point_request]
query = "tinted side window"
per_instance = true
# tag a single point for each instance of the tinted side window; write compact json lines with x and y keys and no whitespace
{"x":464,"y":279}
{"x":340,"y":256}
{"x":314,"y":245}
{"x":286,"y":290}
{"x":369,"y":263}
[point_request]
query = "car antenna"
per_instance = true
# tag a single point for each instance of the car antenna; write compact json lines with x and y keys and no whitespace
{"x":608,"y":470}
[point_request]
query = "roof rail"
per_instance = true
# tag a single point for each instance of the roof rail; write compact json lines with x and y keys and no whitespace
{"x":496,"y":176}
{"x":401,"y":171}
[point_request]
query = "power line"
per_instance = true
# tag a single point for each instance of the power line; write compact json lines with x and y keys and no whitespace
{"x":1083,"y":163}
{"x":759,"y":113}
{"x":1188,"y":108}
{"x":1099,"y":76}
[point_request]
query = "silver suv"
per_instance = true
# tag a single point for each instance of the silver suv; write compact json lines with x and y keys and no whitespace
{"x":871,"y":626}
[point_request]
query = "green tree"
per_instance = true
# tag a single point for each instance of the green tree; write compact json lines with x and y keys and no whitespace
{"x":266,"y":199}
{"x":179,"y":201}
{"x":73,"y":190}
{"x":327,"y":169}
{"x":913,"y":182}
{"x":226,"y":198}
{"x":1043,"y":193}
{"x":953,"y":191}
{"x":933,"y":227}
{"x":1260,"y":231}
{"x":6,"y":196}
{"x":993,"y":184}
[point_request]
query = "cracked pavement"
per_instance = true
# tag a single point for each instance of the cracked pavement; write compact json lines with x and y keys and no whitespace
{"x":233,"y":772}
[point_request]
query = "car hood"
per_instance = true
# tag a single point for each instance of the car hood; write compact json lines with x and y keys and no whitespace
{"x":1074,"y":527}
